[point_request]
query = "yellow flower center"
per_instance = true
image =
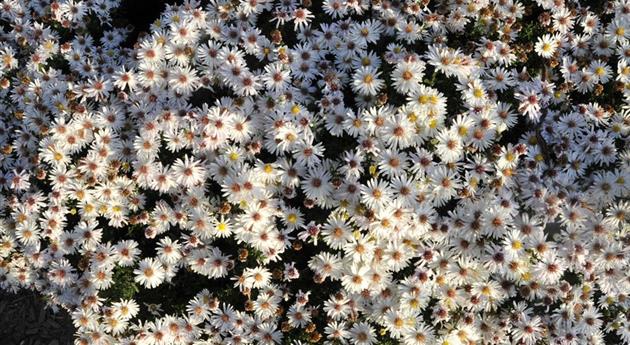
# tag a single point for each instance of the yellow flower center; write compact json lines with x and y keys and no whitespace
{"x":295,"y":109}
{"x":292,"y":218}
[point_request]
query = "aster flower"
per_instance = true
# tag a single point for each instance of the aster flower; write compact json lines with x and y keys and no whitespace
{"x":546,"y":46}
{"x":500,"y":79}
{"x":449,"y":147}
{"x":183,"y":80}
{"x":257,"y":277}
{"x":366,"y":81}
{"x":601,"y":71}
{"x":530,"y":103}
{"x":376,"y":193}
{"x":316,"y":184}
{"x":397,"y":131}
{"x":362,"y":334}
{"x":326,"y":265}
{"x":301,"y":18}
{"x":150,"y":273}
{"x":188,"y":172}
{"x":276,"y":78}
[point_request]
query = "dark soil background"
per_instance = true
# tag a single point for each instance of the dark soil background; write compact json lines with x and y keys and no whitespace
{"x":140,"y":14}
{"x":26,"y":321}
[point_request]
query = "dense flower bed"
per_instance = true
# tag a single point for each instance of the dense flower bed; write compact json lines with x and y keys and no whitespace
{"x":345,"y":171}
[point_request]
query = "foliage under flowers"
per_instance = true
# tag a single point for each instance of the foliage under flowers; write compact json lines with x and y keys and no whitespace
{"x":344,"y":171}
